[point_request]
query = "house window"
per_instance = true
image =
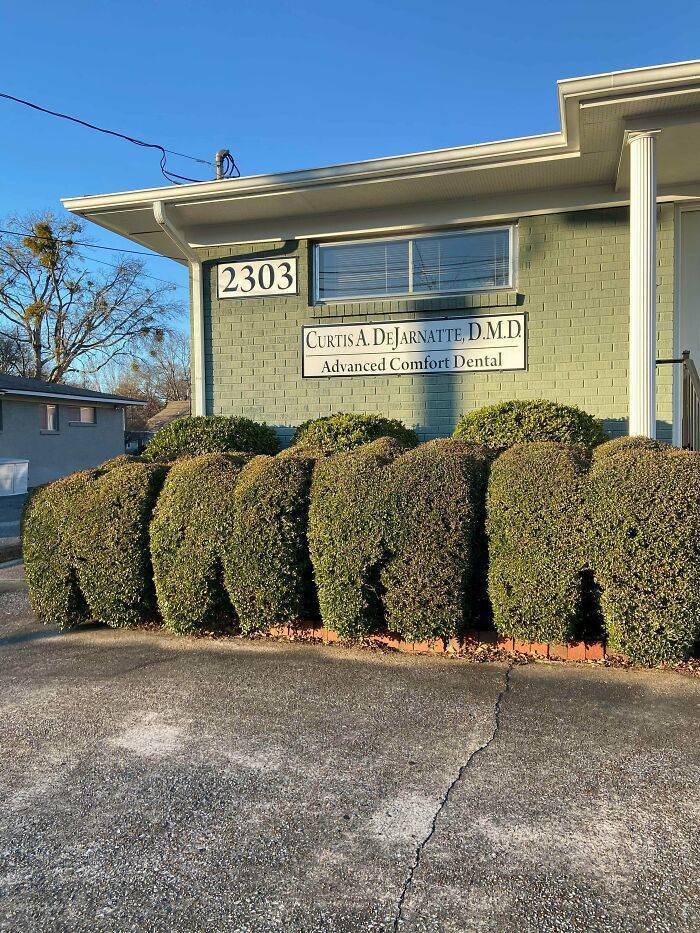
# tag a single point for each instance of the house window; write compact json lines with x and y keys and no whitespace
{"x":86,"y":414}
{"x":49,"y":418}
{"x":435,"y":264}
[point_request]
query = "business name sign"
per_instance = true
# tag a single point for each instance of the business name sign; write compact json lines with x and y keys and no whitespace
{"x":481,"y":343}
{"x":256,"y":277}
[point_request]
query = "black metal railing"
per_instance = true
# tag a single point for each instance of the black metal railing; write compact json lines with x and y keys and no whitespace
{"x":690,"y":401}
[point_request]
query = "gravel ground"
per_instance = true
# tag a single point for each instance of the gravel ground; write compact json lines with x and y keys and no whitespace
{"x":161,"y":784}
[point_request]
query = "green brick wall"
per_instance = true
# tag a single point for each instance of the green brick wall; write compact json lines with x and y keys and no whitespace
{"x":573,"y":282}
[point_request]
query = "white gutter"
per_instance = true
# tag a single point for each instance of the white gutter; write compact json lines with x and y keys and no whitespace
{"x":61,"y":396}
{"x":199,"y":395}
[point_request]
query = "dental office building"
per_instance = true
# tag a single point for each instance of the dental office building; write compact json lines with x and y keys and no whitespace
{"x":564,"y":266}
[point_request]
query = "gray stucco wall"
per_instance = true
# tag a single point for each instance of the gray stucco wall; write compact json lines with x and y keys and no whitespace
{"x":74,"y":447}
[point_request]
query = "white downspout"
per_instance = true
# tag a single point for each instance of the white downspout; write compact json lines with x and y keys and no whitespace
{"x":199,"y":394}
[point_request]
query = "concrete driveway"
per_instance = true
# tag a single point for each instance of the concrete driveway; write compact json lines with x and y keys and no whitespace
{"x":151,"y":783}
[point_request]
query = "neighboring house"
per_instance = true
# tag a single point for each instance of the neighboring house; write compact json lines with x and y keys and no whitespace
{"x":137,"y":440}
{"x":172,"y":411}
{"x":558,"y":266}
{"x":58,"y":428}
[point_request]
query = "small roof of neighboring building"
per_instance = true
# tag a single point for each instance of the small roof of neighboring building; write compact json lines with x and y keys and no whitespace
{"x":171,"y":412}
{"x":37,"y":388}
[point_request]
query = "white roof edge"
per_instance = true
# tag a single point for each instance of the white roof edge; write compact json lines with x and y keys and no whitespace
{"x":544,"y":145}
{"x":386,"y":166}
{"x":62,"y":396}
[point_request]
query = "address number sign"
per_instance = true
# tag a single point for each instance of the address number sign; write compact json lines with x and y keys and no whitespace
{"x":255,"y":277}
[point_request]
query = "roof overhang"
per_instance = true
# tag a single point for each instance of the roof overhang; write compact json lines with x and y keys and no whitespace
{"x":31,"y":395}
{"x":583,"y":164}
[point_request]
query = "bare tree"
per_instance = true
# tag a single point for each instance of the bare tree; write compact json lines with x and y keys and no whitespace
{"x":69,"y":318}
{"x":158,"y":376}
{"x":15,"y":359}
{"x":165,"y":369}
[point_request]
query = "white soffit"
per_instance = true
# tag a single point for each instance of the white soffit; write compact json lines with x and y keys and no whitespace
{"x":587,"y":153}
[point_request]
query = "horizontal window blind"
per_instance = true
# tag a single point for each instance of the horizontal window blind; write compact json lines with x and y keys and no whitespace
{"x":439,"y":264}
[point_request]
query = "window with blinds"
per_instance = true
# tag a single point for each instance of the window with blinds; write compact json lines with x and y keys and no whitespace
{"x":436,"y":264}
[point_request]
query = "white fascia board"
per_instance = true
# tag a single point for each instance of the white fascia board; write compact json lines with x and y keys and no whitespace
{"x":542,"y":146}
{"x":482,"y":155}
{"x":55,"y":397}
{"x":572,"y":95}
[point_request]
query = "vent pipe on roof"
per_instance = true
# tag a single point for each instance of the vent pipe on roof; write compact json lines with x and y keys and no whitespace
{"x":219,"y":162}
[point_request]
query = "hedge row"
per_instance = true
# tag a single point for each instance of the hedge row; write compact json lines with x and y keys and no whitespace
{"x":625,"y":529}
{"x":498,"y":427}
{"x":383,"y":537}
{"x":537,"y":556}
{"x":86,"y":545}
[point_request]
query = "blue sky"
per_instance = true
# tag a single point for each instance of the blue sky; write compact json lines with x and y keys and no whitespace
{"x":292,"y":85}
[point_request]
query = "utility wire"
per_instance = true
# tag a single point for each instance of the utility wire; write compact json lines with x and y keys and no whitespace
{"x":230,"y":165}
{"x":111,"y":249}
{"x":147,"y":275}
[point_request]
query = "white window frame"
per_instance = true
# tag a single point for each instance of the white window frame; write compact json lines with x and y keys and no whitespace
{"x":79,"y":420}
{"x":44,"y":411}
{"x":410,"y":237}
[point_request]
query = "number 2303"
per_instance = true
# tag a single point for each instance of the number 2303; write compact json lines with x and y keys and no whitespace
{"x":257,"y":278}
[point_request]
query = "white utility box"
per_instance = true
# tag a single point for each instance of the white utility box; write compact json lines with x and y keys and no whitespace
{"x":13,"y":476}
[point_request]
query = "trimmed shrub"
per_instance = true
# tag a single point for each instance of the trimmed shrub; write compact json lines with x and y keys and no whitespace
{"x":394,"y":537}
{"x":346,"y":530}
{"x":111,"y":542}
{"x":536,"y":542}
{"x":86,"y":548}
{"x":434,"y":577}
{"x":343,"y":432}
{"x":119,"y":460}
{"x":644,"y":548}
{"x":505,"y":424}
{"x":267,"y":570}
{"x":191,"y":437}
{"x":191,"y":523}
{"x":47,"y":548}
{"x":623,"y":444}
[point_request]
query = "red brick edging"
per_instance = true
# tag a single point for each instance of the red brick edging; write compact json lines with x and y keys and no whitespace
{"x":577,"y":651}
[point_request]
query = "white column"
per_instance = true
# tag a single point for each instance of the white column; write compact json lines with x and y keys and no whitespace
{"x":642,"y":371}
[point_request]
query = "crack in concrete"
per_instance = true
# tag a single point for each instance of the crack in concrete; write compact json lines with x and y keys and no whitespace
{"x":446,"y":796}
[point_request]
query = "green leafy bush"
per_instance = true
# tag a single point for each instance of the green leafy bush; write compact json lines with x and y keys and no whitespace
{"x":111,"y":542}
{"x":644,"y":548}
{"x":505,"y":424}
{"x":536,"y":542}
{"x":49,"y":557}
{"x":346,"y":536}
{"x":343,"y":432}
{"x":433,"y":579}
{"x":267,"y":570}
{"x":86,"y":548}
{"x":624,"y":444}
{"x":394,"y":537}
{"x":191,"y":523}
{"x":191,"y":437}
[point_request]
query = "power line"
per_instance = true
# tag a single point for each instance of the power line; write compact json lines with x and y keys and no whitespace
{"x":145,"y":274}
{"x":172,"y":177}
{"x":112,"y":249}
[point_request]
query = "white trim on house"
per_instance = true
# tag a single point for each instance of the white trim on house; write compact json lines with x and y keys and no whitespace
{"x":58,"y":397}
